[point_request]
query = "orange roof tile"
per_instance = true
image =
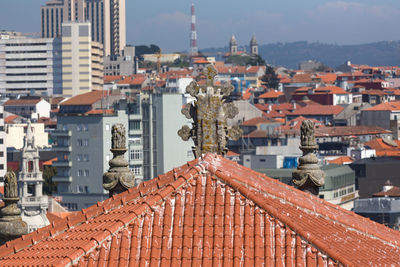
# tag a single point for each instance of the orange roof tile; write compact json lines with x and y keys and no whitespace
{"x":210,"y":211}
{"x":22,"y":101}
{"x":112,"y":78}
{"x":256,"y":121}
{"x":318,"y":110}
{"x":384,"y":148}
{"x":271,"y":94}
{"x":85,"y":99}
{"x":391,"y":106}
{"x":341,"y":160}
{"x":328,"y":77}
{"x":10,"y":118}
{"x":136,"y":79}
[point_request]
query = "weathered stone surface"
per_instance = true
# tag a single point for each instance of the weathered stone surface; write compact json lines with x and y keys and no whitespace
{"x":118,"y":178}
{"x":308,"y":176}
{"x":209,"y":112}
{"x":11,"y":224}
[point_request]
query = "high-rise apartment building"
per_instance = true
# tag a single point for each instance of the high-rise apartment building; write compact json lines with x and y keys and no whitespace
{"x":30,"y":65}
{"x":107,"y":18}
{"x":82,"y":61}
{"x":3,"y":148}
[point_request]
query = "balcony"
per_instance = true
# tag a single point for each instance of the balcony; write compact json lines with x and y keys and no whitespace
{"x":62,"y":164}
{"x":34,"y":201}
{"x":61,"y":133}
{"x":62,"y":179}
{"x":62,"y":148}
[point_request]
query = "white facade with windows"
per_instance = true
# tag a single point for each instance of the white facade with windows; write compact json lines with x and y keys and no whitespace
{"x":30,"y":65}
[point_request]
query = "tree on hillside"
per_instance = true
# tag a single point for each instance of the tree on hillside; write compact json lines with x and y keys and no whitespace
{"x":140,"y":50}
{"x":270,"y":79}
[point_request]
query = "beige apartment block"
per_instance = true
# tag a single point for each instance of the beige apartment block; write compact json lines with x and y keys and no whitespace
{"x":82,"y":60}
{"x":15,"y":133}
{"x":107,"y":18}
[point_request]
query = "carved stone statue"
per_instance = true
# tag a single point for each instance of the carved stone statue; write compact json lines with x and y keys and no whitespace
{"x":308,"y":176}
{"x":118,"y":136}
{"x":209,"y":112}
{"x":10,"y":185}
{"x":118,"y":178}
{"x":11,"y":224}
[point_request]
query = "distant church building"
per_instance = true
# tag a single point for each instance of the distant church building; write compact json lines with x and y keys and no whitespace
{"x":30,"y":185}
{"x":233,"y":46}
{"x":253,"y":46}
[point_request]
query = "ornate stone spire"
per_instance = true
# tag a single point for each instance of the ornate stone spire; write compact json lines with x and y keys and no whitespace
{"x":209,"y":112}
{"x":29,"y":139}
{"x":308,"y":177}
{"x":11,"y":224}
{"x":118,"y":178}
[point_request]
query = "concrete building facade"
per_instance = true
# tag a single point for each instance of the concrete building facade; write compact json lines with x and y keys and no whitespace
{"x":124,"y":64}
{"x":83,"y":152}
{"x":82,"y":62}
{"x":3,"y":147}
{"x":30,"y":65}
{"x":107,"y":18}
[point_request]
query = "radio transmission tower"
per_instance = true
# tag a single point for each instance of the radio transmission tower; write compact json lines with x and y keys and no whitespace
{"x":193,"y":38}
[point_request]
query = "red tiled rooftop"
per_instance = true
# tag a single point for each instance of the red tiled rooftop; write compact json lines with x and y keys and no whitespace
{"x":137,"y":79}
{"x":85,"y":99}
{"x":384,"y":148}
{"x":112,"y":78}
{"x":318,"y":110}
{"x":341,"y":160}
{"x":390,"y":106}
{"x":21,"y":102}
{"x":210,"y":211}
{"x":393,"y":192}
{"x":271,"y":94}
{"x":256,"y":121}
{"x":10,"y":118}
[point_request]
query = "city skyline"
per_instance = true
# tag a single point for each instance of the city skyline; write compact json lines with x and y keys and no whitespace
{"x":167,"y":24}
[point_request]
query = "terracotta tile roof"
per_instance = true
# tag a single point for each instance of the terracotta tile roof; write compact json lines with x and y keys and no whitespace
{"x":286,"y":80}
{"x":374,"y":92}
{"x":350,"y":131}
{"x":292,"y":127}
{"x":302,"y":78}
{"x":112,"y":78}
{"x":137,"y":79}
{"x":391,"y":106}
{"x":318,"y":110}
{"x":254,"y":69}
{"x":385,"y":147}
{"x":327,"y":77}
{"x":9,"y":119}
{"x":393,"y":192}
{"x":232,"y":69}
{"x":256,"y":121}
{"x":341,"y":160}
{"x":230,"y":153}
{"x":271,"y":94}
{"x":21,"y":102}
{"x":201,"y":61}
{"x":85,"y":99}
{"x":210,"y":211}
{"x":56,"y":100}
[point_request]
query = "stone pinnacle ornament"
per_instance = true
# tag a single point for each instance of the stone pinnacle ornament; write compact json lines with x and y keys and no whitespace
{"x":118,"y":178}
{"x":308,"y":177}
{"x":209,"y":112}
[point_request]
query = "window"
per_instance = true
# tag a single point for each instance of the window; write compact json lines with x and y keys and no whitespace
{"x":136,"y":169}
{"x":1,"y":166}
{"x":85,"y":127}
{"x":107,"y":126}
{"x":136,"y":140}
{"x":79,"y":127}
{"x":134,"y":125}
{"x":1,"y":141}
{"x":80,"y":172}
{"x":135,"y":154}
{"x":85,"y":157}
{"x":1,"y":154}
{"x":80,"y":142}
{"x":86,"y":172}
{"x":85,"y":142}
{"x":79,"y":157}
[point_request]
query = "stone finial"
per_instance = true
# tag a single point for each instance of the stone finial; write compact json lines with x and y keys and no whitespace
{"x":308,"y":176}
{"x":118,"y":178}
{"x":209,"y":112}
{"x":11,"y":224}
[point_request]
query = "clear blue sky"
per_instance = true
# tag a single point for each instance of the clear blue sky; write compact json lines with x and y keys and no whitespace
{"x":167,"y":23}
